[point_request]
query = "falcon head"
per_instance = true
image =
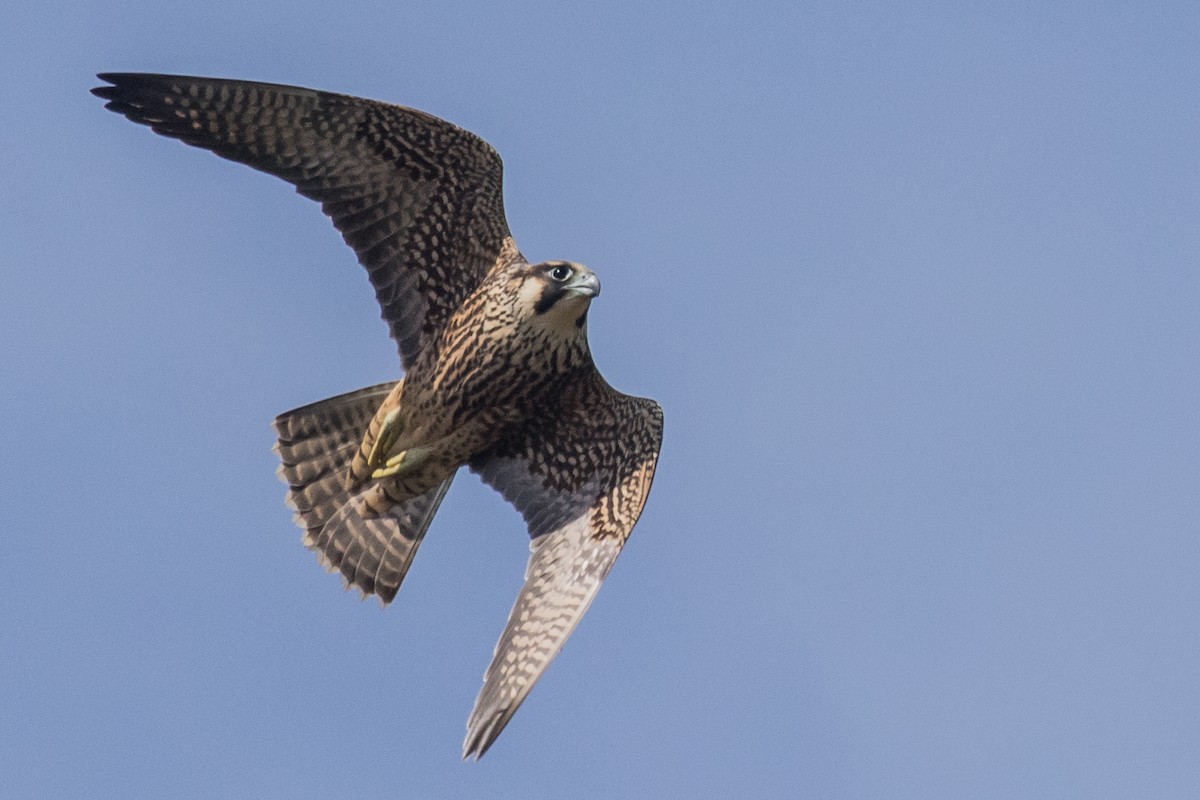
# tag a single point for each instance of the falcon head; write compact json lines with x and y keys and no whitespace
{"x":556,"y":294}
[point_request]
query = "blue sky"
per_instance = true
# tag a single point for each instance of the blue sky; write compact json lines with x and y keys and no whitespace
{"x":916,"y":286}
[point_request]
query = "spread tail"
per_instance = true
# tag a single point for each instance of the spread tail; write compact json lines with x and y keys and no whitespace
{"x":317,"y":444}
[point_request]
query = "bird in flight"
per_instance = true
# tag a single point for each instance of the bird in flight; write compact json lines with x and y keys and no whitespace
{"x":497,"y":371}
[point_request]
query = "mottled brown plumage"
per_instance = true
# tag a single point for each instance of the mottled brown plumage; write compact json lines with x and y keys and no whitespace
{"x":498,"y":375}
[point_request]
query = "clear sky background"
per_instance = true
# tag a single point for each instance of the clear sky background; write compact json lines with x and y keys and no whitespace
{"x":916,"y":285}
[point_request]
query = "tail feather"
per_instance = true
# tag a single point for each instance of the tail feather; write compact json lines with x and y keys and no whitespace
{"x":316,"y":446}
{"x":372,"y":552}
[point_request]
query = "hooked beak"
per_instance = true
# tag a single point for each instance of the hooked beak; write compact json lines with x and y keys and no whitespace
{"x":587,"y":284}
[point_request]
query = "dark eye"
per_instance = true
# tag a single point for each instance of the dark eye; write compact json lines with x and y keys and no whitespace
{"x":560,"y":273}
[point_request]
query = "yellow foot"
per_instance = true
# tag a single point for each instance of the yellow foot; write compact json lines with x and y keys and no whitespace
{"x":389,"y":432}
{"x":406,"y":461}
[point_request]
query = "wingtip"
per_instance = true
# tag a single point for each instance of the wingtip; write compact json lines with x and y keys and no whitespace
{"x":106,"y":93}
{"x":115,"y":92}
{"x":473,"y":749}
{"x":113,"y":80}
{"x":481,"y":734}
{"x":117,"y":78}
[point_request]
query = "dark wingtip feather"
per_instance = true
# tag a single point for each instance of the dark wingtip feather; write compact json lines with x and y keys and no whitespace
{"x":118,"y":81}
{"x":144,"y":78}
{"x":107,"y":92}
{"x":122,"y":94}
{"x":482,"y":736}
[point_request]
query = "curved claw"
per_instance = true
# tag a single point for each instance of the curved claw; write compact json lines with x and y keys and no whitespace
{"x":389,"y":431}
{"x":405,"y":461}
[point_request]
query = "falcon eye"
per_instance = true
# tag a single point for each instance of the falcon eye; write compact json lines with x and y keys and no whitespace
{"x":560,"y":273}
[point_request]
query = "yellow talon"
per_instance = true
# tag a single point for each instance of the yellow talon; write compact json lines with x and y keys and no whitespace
{"x":389,"y":432}
{"x":391,"y":467}
{"x":401,"y":462}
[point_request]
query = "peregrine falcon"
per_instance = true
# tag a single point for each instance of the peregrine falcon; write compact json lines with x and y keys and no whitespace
{"x":497,"y":371}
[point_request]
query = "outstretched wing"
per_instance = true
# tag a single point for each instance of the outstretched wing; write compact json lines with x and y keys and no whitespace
{"x":418,"y":199}
{"x":579,"y":476}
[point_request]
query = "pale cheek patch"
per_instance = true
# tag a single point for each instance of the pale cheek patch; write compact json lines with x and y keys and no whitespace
{"x":559,"y":318}
{"x":529,"y":294}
